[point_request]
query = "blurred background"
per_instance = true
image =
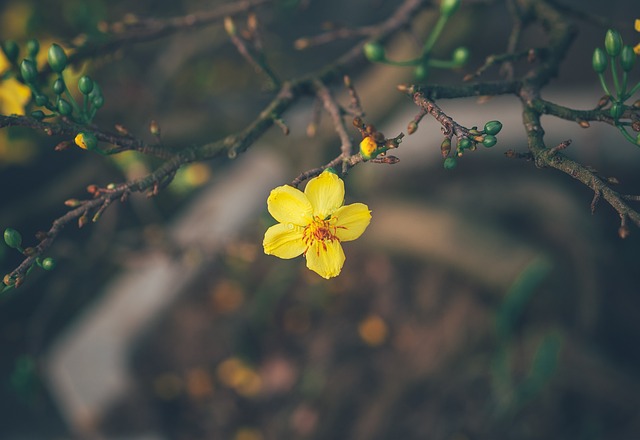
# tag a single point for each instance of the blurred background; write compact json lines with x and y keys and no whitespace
{"x":482,"y":302}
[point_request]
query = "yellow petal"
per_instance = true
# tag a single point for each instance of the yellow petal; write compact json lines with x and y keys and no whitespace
{"x":289,"y":205}
{"x":284,"y":241}
{"x":4,"y":62}
{"x":636,"y":49}
{"x":326,"y":193}
{"x":13,"y":97}
{"x":637,"y":24}
{"x":352,"y":220}
{"x":325,"y":258}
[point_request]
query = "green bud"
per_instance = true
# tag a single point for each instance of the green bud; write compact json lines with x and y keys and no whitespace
{"x":613,"y":42}
{"x":460,"y":56}
{"x":48,"y":263}
{"x":616,"y":110}
{"x":33,"y":47}
{"x":29,"y":71}
{"x":96,"y":96}
{"x":59,"y":86}
{"x":37,"y":114}
{"x":627,"y":58}
{"x":11,"y":50}
{"x":57,"y":58}
{"x":64,"y":108}
{"x":421,"y":72}
{"x":489,"y":141}
{"x":85,"y":85}
{"x":98,"y":101}
{"x":12,"y":238}
{"x":493,"y":127}
{"x":449,"y":7}
{"x":599,"y":60}
{"x":374,"y":52}
{"x":41,"y":100}
{"x":450,"y":163}
{"x":464,"y":143}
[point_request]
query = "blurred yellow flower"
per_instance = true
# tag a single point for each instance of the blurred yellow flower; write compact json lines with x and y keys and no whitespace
{"x":636,"y":49}
{"x":13,"y":94}
{"x":314,"y":223}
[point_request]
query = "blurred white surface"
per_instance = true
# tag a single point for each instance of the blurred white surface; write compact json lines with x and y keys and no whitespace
{"x":87,"y":367}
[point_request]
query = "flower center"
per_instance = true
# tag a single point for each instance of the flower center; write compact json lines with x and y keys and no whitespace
{"x":320,"y":230}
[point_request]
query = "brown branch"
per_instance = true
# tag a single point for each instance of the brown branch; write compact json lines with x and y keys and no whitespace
{"x":153,"y":29}
{"x":332,"y":107}
{"x":63,"y":127}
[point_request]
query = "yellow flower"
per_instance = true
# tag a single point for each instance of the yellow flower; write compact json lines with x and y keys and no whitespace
{"x":13,"y":94}
{"x":314,"y":223}
{"x":636,"y":49}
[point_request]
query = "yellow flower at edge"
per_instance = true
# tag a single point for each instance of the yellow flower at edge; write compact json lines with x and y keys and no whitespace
{"x":13,"y":94}
{"x":636,"y":49}
{"x":313,"y":223}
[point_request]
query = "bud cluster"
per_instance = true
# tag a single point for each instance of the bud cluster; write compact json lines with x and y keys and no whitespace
{"x":375,"y":52}
{"x":62,"y":103}
{"x":616,"y":57}
{"x":470,"y":141}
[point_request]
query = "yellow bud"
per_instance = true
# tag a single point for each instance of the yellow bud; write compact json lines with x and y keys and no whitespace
{"x":368,"y":148}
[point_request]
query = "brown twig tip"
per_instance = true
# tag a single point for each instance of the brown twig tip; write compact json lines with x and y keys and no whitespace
{"x":594,"y":202}
{"x":623,"y":230}
{"x":561,"y":146}
{"x":280,"y":123}
{"x":582,"y":123}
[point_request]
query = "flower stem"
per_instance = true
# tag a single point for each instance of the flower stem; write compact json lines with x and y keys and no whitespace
{"x":435,"y":33}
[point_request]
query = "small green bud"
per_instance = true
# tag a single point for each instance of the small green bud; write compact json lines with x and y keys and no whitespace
{"x":41,"y":100}
{"x":57,"y":58}
{"x":616,"y":110}
{"x":59,"y":86}
{"x":450,"y":163}
{"x":374,"y":52}
{"x":599,"y":60}
{"x":11,"y":50}
{"x":96,"y":96}
{"x":493,"y":127}
{"x":29,"y":71}
{"x":85,"y":85}
{"x":64,"y":108}
{"x":464,"y":143}
{"x":460,"y":56}
{"x":98,"y":101}
{"x":489,"y":141}
{"x":37,"y":114}
{"x":48,"y":263}
{"x":33,"y":47}
{"x":421,"y":72}
{"x":627,"y":58}
{"x":449,"y":7}
{"x":12,"y":238}
{"x":613,"y":42}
